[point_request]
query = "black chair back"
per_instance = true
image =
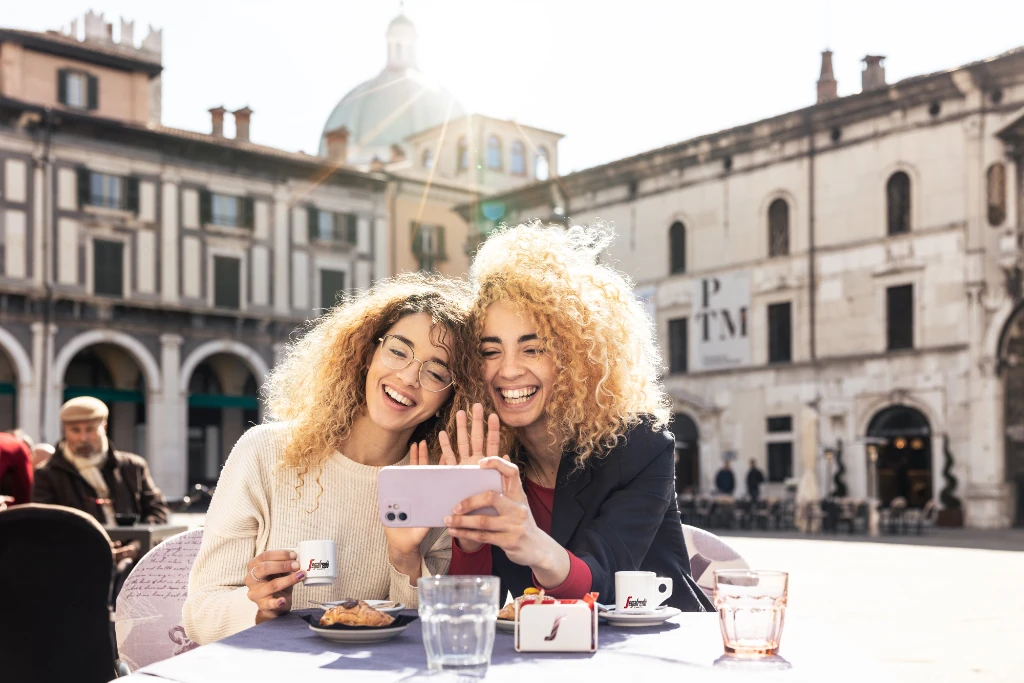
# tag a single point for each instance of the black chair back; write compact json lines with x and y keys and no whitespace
{"x":56,"y":567}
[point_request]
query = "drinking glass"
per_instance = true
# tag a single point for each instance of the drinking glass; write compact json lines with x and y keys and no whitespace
{"x":751,"y":608}
{"x":458,"y":615}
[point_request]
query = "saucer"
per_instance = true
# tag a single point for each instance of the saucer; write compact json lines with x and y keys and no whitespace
{"x":361,"y":635}
{"x":506,"y":625}
{"x":615,"y":618}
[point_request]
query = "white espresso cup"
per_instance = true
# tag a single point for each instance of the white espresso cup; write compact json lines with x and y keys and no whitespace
{"x":319,"y":559}
{"x":640,"y":592}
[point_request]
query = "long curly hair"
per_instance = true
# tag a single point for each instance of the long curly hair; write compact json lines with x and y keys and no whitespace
{"x":319,"y":386}
{"x":599,"y":334}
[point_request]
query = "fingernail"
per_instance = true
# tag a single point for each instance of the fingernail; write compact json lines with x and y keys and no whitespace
{"x":280,"y":603}
{"x":295,"y":565}
{"x":300,"y":575}
{"x":447,"y":521}
{"x":291,"y":556}
{"x":458,"y":509}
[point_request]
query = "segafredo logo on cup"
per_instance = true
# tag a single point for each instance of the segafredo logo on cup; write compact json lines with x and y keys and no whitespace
{"x":633,"y":604}
{"x":318,"y":564}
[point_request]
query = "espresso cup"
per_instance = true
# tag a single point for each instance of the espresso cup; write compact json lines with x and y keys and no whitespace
{"x":640,"y":592}
{"x":319,"y":559}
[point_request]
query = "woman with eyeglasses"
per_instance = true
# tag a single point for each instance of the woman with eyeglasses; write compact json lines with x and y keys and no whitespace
{"x":570,"y":366}
{"x":367,"y":386}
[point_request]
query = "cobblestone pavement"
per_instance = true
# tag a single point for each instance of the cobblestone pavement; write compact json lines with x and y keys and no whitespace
{"x":917,"y":613}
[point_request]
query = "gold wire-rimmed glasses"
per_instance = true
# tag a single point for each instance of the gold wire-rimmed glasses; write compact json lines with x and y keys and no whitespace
{"x":435,"y":377}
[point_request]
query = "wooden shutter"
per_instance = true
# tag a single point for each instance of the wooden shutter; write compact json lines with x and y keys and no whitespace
{"x":84,"y":188}
{"x":205,"y":207}
{"x":332,"y":284}
{"x":227,"y":282}
{"x":313,"y":222}
{"x":94,"y":92}
{"x":131,"y":194}
{"x":108,"y":268}
{"x":352,"y":228}
{"x":439,"y":248}
{"x":62,"y":85}
{"x":417,"y":240}
{"x":248,"y":211}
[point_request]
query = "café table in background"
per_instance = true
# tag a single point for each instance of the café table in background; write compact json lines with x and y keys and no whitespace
{"x":685,"y":648}
{"x":149,"y":535}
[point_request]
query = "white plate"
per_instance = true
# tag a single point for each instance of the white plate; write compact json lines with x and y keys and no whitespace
{"x":374,"y":635}
{"x":639,"y":620}
{"x":506,"y":625}
{"x":393,"y":611}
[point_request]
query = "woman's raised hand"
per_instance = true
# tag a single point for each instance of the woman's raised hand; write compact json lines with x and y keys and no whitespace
{"x":474,"y":445}
{"x":270,"y":578}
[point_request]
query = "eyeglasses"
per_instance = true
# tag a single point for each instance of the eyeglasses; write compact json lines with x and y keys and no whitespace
{"x":397,"y":355}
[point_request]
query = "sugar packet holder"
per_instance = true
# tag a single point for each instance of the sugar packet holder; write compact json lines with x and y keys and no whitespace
{"x":550,"y":625}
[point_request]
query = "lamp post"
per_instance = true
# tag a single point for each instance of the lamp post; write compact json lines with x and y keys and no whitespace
{"x":872,"y":444}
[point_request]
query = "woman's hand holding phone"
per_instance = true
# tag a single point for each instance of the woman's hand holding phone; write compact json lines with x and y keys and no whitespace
{"x":404,"y":542}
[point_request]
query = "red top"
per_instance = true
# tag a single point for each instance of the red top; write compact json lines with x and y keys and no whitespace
{"x":541,"y":500}
{"x":16,"y":466}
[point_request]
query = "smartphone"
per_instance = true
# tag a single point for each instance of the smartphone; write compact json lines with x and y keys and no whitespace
{"x":423,"y":495}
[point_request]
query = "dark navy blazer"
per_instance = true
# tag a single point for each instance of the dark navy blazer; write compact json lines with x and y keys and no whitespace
{"x":619,"y":513}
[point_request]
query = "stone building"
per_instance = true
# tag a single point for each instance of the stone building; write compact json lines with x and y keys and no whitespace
{"x":158,"y":269}
{"x":837,"y":290}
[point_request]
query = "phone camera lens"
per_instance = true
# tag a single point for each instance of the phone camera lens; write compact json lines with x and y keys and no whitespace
{"x":391,"y":516}
{"x":402,"y":516}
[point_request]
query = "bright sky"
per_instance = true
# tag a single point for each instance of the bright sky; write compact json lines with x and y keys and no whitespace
{"x":616,"y":78}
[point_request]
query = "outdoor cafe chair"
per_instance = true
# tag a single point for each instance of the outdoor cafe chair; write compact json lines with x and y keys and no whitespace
{"x":147,"y":620}
{"x":57,"y":565}
{"x":709,"y":553}
{"x":893,"y":518}
{"x":922,"y":519}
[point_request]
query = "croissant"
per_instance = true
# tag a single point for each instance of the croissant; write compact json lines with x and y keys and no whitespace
{"x":355,"y":613}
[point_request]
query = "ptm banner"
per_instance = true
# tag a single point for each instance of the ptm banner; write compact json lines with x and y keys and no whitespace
{"x":720,"y":337}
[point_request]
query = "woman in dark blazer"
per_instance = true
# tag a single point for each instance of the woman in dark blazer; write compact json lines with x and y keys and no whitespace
{"x":570,"y":369}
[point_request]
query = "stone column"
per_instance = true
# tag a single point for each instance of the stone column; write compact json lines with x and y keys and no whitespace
{"x":984,"y":491}
{"x":170,"y":453}
{"x":169,"y":268}
{"x":53,"y":389}
{"x":282,"y":254}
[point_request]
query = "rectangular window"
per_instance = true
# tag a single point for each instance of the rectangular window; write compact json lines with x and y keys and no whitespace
{"x":900,"y":317}
{"x":227,"y":282}
{"x":77,"y":90}
{"x":428,"y":245}
{"x":328,"y":226}
{"x":108,"y":268}
{"x":325,"y":225}
{"x":780,"y":346}
{"x":780,"y":461}
{"x":782,"y":423}
{"x":106,"y":190}
{"x":678,"y":346}
{"x":332,"y":286}
{"x":225,"y":210}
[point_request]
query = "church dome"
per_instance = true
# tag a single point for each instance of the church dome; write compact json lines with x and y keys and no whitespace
{"x":396,"y":103}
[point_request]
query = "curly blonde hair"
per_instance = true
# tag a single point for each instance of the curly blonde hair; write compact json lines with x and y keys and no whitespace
{"x":599,"y":334}
{"x":319,"y":386}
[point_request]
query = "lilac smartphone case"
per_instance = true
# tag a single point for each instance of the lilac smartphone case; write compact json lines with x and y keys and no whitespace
{"x":426,"y":494}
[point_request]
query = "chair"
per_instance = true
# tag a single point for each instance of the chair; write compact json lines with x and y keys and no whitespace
{"x":709,"y":553}
{"x":148,"y":616}
{"x":893,"y":518}
{"x":922,"y":519}
{"x":57,"y":566}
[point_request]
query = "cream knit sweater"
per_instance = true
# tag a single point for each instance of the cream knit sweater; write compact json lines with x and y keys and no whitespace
{"x":256,"y":508}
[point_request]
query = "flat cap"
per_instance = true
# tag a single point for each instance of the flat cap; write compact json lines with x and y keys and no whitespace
{"x":83,"y":408}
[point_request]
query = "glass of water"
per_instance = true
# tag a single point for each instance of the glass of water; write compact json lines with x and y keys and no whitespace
{"x":751,"y":608}
{"x":458,"y":615}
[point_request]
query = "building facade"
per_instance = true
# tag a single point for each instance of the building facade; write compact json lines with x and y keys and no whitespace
{"x":159,"y":269}
{"x":837,"y":290}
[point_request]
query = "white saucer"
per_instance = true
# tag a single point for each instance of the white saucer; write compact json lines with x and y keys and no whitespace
{"x":393,"y":611}
{"x":639,"y":620}
{"x":506,"y":625}
{"x":370,"y":635}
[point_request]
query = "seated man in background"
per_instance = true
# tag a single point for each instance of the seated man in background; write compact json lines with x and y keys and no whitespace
{"x":15,"y":468}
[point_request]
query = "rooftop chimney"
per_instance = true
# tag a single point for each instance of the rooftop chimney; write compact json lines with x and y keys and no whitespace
{"x":873,"y":76}
{"x":217,"y":119}
{"x":242,"y":117}
{"x":827,"y":82}
{"x":337,"y":145}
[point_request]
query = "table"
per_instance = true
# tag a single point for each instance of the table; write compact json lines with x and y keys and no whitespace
{"x":149,"y":535}
{"x":684,"y":648}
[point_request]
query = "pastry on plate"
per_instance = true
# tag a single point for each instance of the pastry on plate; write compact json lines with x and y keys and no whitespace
{"x":355,"y":613}
{"x":530,"y":594}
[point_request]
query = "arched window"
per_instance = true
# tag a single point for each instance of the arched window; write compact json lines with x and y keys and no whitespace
{"x":677,"y":248}
{"x":517,"y":162}
{"x":428,"y":158}
{"x":778,"y":228}
{"x":541,"y":168}
{"x":897,"y":194}
{"x":995,"y":192}
{"x":493,"y":153}
{"x":462,"y":154}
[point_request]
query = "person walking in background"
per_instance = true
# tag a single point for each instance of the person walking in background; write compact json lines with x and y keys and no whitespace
{"x":16,"y":467}
{"x":725,"y":481}
{"x":755,"y":478}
